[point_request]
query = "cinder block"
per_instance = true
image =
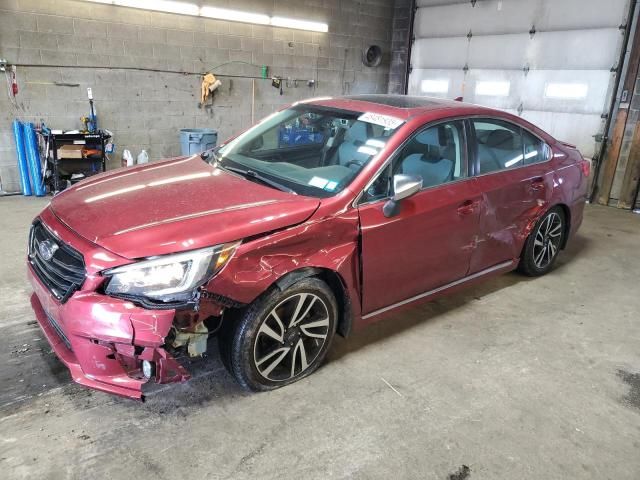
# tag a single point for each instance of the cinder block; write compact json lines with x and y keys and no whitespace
{"x":139,"y":49}
{"x":152,"y":35}
{"x":310,"y":50}
{"x":122,"y":30}
{"x":216,"y":26}
{"x":78,"y":75}
{"x":193,"y":53}
{"x":260,"y":31}
{"x":53,"y":57}
{"x":17,"y":21}
{"x":209,"y":40}
{"x":89,"y":28}
{"x":179,"y":22}
{"x":170,"y":52}
{"x":110,"y":77}
{"x":302,"y":36}
{"x":54,"y":24}
{"x":251,"y":44}
{"x":284,"y":34}
{"x":261,"y":58}
{"x":229,"y":42}
{"x":9,"y":39}
{"x":109,"y":13}
{"x":9,"y":178}
{"x":107,"y":46}
{"x":36,"y":40}
{"x":216,"y":56}
{"x":73,"y":44}
{"x":273,"y":46}
{"x":93,"y":60}
{"x":180,"y":37}
{"x":240,"y":29}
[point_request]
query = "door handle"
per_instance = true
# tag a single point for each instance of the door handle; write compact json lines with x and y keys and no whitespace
{"x":467,"y":207}
{"x":537,"y":184}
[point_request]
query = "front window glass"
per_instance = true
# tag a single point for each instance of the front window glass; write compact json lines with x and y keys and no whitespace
{"x":312,"y":150}
{"x":436,"y":154}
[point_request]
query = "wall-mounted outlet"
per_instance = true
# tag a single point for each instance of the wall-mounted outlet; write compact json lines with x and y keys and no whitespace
{"x":3,"y":64}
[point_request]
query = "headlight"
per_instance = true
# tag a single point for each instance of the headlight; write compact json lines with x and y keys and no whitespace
{"x":169,"y":278}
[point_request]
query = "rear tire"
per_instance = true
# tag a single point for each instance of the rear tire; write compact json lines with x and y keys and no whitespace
{"x":543,"y":244}
{"x":282,"y":337}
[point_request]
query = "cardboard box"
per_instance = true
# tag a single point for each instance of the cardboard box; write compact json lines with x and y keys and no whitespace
{"x":70,"y":151}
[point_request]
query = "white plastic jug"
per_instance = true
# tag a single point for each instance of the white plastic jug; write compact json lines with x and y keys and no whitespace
{"x":143,"y":157}
{"x":127,"y":159}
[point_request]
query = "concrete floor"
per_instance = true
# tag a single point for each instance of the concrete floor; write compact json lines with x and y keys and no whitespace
{"x":517,"y":378}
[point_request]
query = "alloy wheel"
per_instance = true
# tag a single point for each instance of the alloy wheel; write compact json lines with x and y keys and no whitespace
{"x":291,"y":337}
{"x":547,"y":240}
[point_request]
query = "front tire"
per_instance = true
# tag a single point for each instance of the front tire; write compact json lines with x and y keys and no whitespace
{"x":282,"y":337}
{"x":543,"y":244}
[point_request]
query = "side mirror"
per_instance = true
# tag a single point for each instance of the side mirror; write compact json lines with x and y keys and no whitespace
{"x":404,"y":186}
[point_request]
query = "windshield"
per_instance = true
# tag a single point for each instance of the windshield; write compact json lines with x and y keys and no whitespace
{"x":311,"y":150}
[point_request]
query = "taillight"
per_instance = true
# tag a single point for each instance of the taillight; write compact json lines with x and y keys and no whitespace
{"x":585,"y":166}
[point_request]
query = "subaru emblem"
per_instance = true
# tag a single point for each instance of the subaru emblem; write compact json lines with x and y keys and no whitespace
{"x":47,"y":249}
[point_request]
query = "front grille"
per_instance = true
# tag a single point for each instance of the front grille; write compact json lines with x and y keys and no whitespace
{"x":63,"y":273}
{"x":59,"y":331}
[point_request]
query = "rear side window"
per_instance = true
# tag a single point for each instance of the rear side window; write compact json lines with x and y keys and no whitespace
{"x":499,"y":145}
{"x":534,"y":149}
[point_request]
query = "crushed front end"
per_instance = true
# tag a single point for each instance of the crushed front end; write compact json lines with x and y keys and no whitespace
{"x":108,"y":343}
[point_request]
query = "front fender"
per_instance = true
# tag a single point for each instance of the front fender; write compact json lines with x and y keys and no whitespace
{"x":330,"y":244}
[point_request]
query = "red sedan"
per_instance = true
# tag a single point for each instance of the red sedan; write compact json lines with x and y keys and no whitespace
{"x":321,"y":218}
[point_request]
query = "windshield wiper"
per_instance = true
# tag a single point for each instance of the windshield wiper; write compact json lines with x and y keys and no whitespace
{"x":252,"y":175}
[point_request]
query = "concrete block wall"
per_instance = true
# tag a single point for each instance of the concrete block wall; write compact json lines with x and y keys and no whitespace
{"x":145,"y":109}
{"x":400,"y":45}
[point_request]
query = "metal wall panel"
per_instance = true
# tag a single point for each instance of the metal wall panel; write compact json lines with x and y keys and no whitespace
{"x":439,"y":52}
{"x":547,"y":60}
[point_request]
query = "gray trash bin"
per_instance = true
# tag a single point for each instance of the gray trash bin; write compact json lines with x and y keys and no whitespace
{"x":196,"y":140}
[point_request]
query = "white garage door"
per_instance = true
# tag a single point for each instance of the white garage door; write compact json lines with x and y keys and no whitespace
{"x":549,"y":61}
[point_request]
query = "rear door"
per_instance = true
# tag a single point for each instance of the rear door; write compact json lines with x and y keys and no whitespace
{"x":429,"y":242}
{"x":515,"y":179}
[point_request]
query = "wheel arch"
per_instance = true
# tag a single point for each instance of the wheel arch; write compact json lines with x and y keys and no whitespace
{"x":567,"y":223}
{"x":336,"y":284}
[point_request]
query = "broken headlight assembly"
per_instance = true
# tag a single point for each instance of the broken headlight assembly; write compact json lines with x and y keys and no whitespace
{"x":168,"y":278}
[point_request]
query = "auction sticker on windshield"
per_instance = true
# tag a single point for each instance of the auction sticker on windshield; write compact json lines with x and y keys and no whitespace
{"x":387,"y":121}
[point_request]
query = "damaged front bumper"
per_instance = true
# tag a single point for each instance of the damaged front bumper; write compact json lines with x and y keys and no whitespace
{"x":103,"y":340}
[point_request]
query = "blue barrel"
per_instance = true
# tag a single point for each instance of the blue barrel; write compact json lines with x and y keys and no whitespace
{"x":23,"y":169}
{"x":196,"y":140}
{"x":33,"y":159}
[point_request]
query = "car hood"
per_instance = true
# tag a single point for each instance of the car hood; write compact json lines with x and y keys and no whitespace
{"x":175,"y":205}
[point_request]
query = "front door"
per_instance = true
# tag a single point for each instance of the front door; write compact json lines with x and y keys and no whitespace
{"x":429,"y":242}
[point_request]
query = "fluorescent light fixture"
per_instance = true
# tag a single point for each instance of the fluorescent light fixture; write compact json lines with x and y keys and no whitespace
{"x":299,"y":24}
{"x":434,"y":86}
{"x":169,"y":6}
{"x":493,"y":89}
{"x":187,"y":8}
{"x":234,"y":15}
{"x":570,"y":91}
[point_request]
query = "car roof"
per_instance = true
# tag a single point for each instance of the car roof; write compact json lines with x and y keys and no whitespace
{"x":406,"y":107}
{"x":401,"y":106}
